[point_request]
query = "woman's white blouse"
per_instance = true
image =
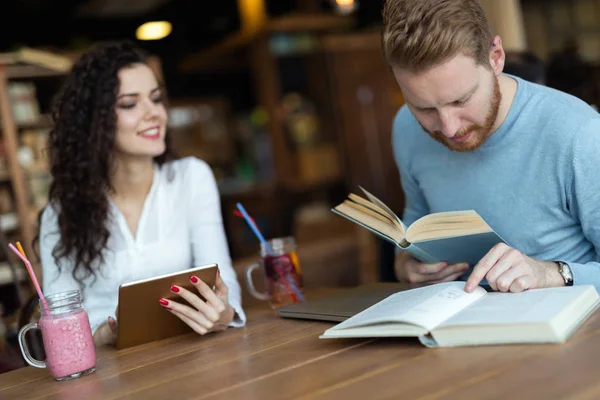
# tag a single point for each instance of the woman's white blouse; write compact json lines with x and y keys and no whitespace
{"x":180,"y":227}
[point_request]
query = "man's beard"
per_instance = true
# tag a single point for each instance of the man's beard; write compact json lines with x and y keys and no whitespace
{"x":480,"y":133}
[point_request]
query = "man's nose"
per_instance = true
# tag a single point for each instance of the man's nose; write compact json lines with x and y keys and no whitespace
{"x":450,"y":123}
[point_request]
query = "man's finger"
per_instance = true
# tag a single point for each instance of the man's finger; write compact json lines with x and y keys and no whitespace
{"x":504,"y":281}
{"x":522,"y":283}
{"x":449,"y":278}
{"x":427,"y":269}
{"x":505,"y":263}
{"x":454,"y":269}
{"x":484,"y":265}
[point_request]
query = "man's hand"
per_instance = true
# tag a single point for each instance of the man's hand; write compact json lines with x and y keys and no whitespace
{"x":508,"y":270}
{"x":410,"y":270}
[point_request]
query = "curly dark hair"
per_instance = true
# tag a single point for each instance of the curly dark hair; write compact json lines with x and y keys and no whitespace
{"x":81,"y":150}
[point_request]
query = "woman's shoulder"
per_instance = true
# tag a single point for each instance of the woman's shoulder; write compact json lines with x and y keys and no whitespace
{"x":187,"y":170}
{"x":49,"y":213}
{"x":48,"y":221}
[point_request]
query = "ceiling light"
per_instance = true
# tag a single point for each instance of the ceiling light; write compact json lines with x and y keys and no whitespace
{"x":154,"y":30}
{"x":345,"y":6}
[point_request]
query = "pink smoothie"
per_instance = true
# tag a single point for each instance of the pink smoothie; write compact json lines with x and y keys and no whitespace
{"x":68,"y":343}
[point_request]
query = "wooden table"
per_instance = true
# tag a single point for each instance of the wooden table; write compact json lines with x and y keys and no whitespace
{"x":273,"y":358}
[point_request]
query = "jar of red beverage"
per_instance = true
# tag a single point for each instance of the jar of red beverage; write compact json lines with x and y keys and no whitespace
{"x":281,"y":271}
{"x":67,"y":337}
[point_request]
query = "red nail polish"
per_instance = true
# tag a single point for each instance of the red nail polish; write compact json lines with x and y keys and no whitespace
{"x":193,"y":279}
{"x":163,"y":302}
{"x":168,"y":308}
{"x":218,"y":272}
{"x":174,"y":289}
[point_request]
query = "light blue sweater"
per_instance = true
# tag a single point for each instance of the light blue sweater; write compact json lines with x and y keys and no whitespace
{"x":536,"y":181}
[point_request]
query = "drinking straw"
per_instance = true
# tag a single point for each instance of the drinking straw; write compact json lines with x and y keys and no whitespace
{"x":260,"y":237}
{"x":21,"y":249}
{"x":31,"y":274}
{"x":239,"y":214}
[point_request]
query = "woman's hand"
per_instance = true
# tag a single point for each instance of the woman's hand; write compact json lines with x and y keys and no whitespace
{"x":214,"y":314}
{"x":106,"y":333}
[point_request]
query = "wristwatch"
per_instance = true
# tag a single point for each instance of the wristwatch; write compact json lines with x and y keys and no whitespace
{"x":565,"y":272}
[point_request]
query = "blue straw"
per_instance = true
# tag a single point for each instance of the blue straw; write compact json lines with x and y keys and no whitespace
{"x":265,"y":243}
{"x":255,"y":229}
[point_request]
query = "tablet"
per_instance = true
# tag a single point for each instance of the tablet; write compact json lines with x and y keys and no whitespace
{"x":141,"y":319}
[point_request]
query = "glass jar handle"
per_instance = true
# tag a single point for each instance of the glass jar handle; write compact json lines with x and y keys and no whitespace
{"x":25,"y":350}
{"x":250,"y":283}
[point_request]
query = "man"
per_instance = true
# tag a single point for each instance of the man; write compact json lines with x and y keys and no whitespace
{"x":524,"y":156}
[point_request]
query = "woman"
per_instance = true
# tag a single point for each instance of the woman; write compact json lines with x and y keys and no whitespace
{"x":120,"y":208}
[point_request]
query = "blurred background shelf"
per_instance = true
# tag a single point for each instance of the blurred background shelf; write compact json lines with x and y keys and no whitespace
{"x":28,"y":79}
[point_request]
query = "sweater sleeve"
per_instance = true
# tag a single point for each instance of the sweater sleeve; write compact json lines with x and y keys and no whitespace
{"x":584,"y":198}
{"x":209,"y":243}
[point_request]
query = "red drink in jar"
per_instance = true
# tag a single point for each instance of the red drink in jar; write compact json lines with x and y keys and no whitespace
{"x":282,"y":273}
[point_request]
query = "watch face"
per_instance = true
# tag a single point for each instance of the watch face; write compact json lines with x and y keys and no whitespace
{"x":566,"y":271}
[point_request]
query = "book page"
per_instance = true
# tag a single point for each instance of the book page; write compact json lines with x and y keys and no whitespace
{"x":381,"y":204}
{"x":426,"y":307}
{"x":535,"y":305}
{"x":446,"y":224}
{"x":359,"y":201}
{"x":368,"y":211}
{"x":370,"y":222}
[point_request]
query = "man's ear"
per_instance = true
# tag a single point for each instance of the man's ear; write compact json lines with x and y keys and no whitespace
{"x":497,"y":55}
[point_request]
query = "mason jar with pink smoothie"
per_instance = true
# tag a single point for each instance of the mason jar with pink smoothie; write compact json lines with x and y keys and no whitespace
{"x":67,"y":337}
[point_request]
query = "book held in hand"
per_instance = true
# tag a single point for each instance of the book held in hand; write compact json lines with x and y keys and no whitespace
{"x":444,"y":315}
{"x":453,"y":236}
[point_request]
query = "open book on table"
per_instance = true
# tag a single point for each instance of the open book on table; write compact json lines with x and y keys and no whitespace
{"x":453,"y":236}
{"x":444,"y":315}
